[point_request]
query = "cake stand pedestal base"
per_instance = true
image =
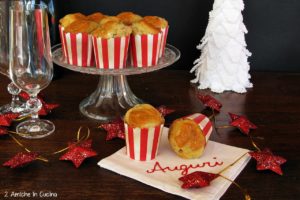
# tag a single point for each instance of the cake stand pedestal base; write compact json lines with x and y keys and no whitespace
{"x":112,"y":98}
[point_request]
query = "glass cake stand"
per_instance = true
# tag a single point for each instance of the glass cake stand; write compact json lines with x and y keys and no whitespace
{"x":113,"y":96}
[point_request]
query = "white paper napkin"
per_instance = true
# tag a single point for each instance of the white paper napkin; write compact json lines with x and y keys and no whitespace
{"x":217,"y":155}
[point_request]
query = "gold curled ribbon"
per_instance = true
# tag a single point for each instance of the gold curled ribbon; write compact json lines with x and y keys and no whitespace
{"x":244,"y":191}
{"x":253,"y":143}
{"x":26,"y":149}
{"x":79,"y":139}
{"x":22,"y":118}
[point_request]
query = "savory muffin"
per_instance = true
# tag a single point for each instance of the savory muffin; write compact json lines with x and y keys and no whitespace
{"x":68,"y":19}
{"x":143,"y":116}
{"x":112,"y":29}
{"x":186,"y":138}
{"x":155,"y":21}
{"x":107,"y":18}
{"x":142,"y":27}
{"x":96,"y":17}
{"x":129,"y":17}
{"x":81,"y":26}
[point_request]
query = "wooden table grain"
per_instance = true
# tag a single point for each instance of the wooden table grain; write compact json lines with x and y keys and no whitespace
{"x":273,"y":105}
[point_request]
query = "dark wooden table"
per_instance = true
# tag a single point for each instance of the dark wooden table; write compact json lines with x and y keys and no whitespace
{"x":273,"y":104}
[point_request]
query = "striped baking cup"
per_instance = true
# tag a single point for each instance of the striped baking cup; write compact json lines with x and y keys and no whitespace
{"x":62,"y":39}
{"x":144,"y":49}
{"x":204,"y":123}
{"x":111,"y":53}
{"x":78,"y":49}
{"x":142,"y":143}
{"x":163,"y":43}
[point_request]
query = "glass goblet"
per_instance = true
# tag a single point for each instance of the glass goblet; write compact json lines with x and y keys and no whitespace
{"x":30,"y":63}
{"x":16,"y":106}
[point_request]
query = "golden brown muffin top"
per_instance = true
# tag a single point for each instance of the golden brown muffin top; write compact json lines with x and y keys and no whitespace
{"x":143,"y":116}
{"x":112,"y":29}
{"x":107,"y":18}
{"x":129,"y":17}
{"x":96,"y":17}
{"x":186,"y":131}
{"x":68,"y":19}
{"x":157,"y":22}
{"x":81,"y":26}
{"x":142,"y":27}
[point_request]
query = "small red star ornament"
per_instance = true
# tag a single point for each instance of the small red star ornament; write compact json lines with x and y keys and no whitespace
{"x":46,"y":108}
{"x":242,"y":123}
{"x":164,"y":110}
{"x":115,"y":129}
{"x":21,"y":159}
{"x":267,"y":160}
{"x":3,"y":131}
{"x":6,"y":119}
{"x":197,"y":179}
{"x":77,"y":153}
{"x":210,"y":102}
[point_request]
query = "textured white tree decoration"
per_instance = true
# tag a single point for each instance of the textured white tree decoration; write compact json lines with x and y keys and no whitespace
{"x":223,"y":64}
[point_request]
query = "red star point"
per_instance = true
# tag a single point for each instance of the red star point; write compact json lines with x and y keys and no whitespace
{"x":242,"y":123}
{"x":210,"y":102}
{"x":115,"y":129}
{"x":77,"y":153}
{"x":21,"y":159}
{"x":266,"y":160}
{"x":197,"y":179}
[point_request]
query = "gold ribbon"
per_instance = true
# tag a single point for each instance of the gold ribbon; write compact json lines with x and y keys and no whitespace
{"x":79,"y":139}
{"x":244,"y":191}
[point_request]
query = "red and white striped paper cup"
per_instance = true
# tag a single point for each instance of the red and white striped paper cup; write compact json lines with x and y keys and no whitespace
{"x":142,"y":143}
{"x":62,"y":39}
{"x":111,"y":53}
{"x":163,"y":43}
{"x":78,"y":49}
{"x":204,"y":123}
{"x":144,"y":49}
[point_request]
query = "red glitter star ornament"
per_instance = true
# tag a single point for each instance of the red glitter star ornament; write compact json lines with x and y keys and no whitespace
{"x":115,"y":129}
{"x":197,"y":179}
{"x":46,"y":108}
{"x":6,"y":119}
{"x":242,"y":123}
{"x":3,"y":131}
{"x":164,"y":110}
{"x":21,"y":159}
{"x":77,"y":153}
{"x":267,"y":160}
{"x":210,"y":102}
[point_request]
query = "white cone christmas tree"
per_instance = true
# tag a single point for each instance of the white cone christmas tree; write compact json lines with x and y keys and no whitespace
{"x":223,"y":64}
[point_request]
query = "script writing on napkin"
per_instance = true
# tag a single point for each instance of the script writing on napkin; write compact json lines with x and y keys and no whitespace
{"x":163,"y":172}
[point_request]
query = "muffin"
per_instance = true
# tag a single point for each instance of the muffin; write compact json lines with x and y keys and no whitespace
{"x":112,"y":29}
{"x":186,"y":138}
{"x":68,"y":19}
{"x":162,"y":24}
{"x":155,"y":21}
{"x":77,"y":42}
{"x":143,"y":128}
{"x":107,"y":18}
{"x":143,"y":116}
{"x":142,"y":28}
{"x":128,"y":18}
{"x":81,"y":26}
{"x":111,"y":35}
{"x":96,"y":17}
{"x":145,"y":44}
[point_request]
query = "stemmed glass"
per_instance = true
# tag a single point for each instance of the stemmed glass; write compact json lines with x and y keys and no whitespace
{"x":30,"y":62}
{"x":16,"y":105}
